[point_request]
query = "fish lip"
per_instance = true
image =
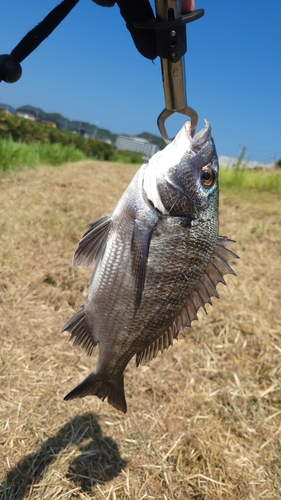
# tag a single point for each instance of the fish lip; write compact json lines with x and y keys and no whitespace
{"x":182,"y":144}
{"x":201,"y":138}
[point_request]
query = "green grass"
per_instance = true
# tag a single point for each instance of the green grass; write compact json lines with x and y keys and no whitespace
{"x":127,"y":157}
{"x":18,"y":154}
{"x":15,"y":155}
{"x":56,"y":154}
{"x":241,"y":178}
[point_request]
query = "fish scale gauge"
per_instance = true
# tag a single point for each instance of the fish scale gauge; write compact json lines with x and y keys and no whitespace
{"x":158,"y":259}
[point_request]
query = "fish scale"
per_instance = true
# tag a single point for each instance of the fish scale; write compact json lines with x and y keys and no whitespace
{"x":177,"y":281}
{"x":158,"y":258}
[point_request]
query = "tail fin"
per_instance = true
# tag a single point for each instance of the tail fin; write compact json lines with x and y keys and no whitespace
{"x":93,"y":385}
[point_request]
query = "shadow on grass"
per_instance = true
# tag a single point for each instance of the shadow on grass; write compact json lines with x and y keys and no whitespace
{"x":98,"y":462}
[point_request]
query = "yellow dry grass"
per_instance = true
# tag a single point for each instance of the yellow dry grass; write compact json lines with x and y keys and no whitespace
{"x":204,"y":418}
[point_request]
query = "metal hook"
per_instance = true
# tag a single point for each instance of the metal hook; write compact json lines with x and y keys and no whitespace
{"x":191,"y":113}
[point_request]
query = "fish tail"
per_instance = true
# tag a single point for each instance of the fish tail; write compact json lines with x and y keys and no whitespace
{"x":94,"y":385}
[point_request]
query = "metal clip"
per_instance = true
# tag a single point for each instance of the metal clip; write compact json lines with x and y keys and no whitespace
{"x":170,"y":35}
{"x":173,"y":75}
{"x":168,"y":12}
{"x":188,"y":111}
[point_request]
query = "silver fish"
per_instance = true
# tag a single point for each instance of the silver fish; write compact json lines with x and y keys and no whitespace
{"x":158,"y":259}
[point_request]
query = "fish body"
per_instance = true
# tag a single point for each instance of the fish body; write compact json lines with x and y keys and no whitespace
{"x":158,"y":259}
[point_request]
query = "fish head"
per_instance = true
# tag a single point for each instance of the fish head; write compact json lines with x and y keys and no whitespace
{"x":182,"y":179}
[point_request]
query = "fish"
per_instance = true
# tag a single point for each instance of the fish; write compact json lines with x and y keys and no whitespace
{"x":158,"y":259}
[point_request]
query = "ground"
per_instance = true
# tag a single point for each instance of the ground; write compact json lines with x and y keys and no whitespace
{"x":204,"y":418}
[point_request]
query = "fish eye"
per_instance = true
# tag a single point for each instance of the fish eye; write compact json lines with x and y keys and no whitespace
{"x":207,"y":176}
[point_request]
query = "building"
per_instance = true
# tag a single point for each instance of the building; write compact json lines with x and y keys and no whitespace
{"x":136,"y":144}
{"x":227,"y":162}
{"x":27,"y":116}
{"x":50,"y":122}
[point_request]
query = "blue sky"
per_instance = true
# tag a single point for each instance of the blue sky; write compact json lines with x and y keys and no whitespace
{"x":89,"y":70}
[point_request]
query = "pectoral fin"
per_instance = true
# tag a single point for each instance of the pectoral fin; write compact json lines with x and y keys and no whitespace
{"x":92,"y":242}
{"x":77,"y":327}
{"x":142,"y":234}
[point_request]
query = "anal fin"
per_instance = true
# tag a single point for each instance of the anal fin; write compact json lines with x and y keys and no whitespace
{"x":160,"y":344}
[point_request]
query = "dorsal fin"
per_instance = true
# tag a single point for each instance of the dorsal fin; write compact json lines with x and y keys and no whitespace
{"x":201,"y":295}
{"x":92,"y":242}
{"x":77,"y":327}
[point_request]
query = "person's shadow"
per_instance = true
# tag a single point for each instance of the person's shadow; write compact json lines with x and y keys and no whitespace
{"x":98,"y":462}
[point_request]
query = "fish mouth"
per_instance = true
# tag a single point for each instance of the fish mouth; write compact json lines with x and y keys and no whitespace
{"x":200,"y":139}
{"x":183,"y":146}
{"x":184,"y":143}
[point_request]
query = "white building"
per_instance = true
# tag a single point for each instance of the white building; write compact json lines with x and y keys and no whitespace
{"x":26,"y":115}
{"x":136,"y":144}
{"x":227,"y":162}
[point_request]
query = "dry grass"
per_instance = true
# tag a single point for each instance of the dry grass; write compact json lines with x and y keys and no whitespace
{"x":204,"y":418}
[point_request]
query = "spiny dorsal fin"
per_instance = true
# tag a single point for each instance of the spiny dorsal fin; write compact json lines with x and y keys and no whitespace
{"x":206,"y":287}
{"x":201,"y":295}
{"x":77,"y":327}
{"x":92,"y":242}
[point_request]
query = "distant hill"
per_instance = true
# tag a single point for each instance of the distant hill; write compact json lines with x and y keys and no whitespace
{"x":7,"y":107}
{"x":64,"y":123}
